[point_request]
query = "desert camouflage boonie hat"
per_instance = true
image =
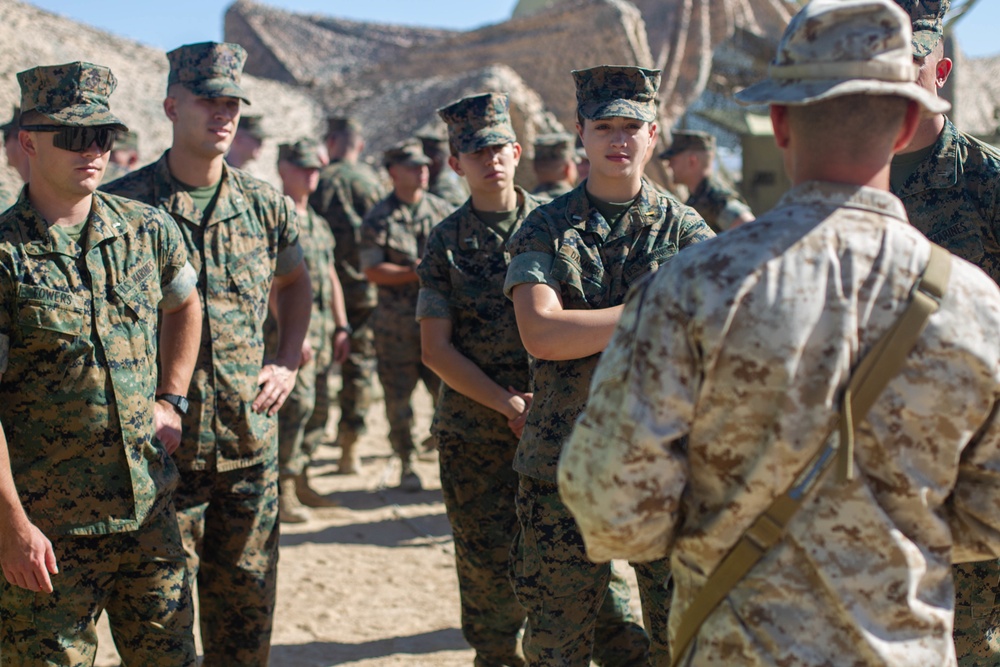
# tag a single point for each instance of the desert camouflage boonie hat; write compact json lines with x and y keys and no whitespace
{"x":478,"y":121}
{"x":688,"y":140}
{"x":609,"y":91}
{"x":843,"y":47}
{"x":409,"y":152}
{"x":302,"y":153}
{"x":209,"y":69}
{"x":554,"y":147}
{"x":252,"y":125}
{"x":74,"y":94}
{"x":927,"y":20}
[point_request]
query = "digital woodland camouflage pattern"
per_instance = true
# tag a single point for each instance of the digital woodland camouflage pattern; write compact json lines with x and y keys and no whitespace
{"x":393,"y":232}
{"x":927,"y":18}
{"x":72,"y":94}
{"x":461,"y":280}
{"x":478,"y":121}
{"x":786,"y":307}
{"x":345,"y":194}
{"x":617,"y":92}
{"x":718,"y":204}
{"x":557,"y":148}
{"x":408,"y":152}
{"x":952,"y":199}
{"x":298,"y":436}
{"x":689,"y":140}
{"x":139,"y":577}
{"x":209,"y":69}
{"x":302,"y":153}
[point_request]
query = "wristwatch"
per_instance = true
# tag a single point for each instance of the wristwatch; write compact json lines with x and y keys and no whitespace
{"x":346,"y":328}
{"x":179,"y":402}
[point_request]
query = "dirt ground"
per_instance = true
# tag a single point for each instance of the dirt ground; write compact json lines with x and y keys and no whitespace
{"x":371,"y":583}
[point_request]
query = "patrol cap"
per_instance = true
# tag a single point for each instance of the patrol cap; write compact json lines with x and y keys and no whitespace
{"x":554,"y":147}
{"x":252,"y":125}
{"x":478,"y":121}
{"x":340,"y":124}
{"x":74,"y":94}
{"x":409,"y":152}
{"x":302,"y":153}
{"x":127,"y":141}
{"x":833,"y":48}
{"x":11,"y":125}
{"x":926,"y":18}
{"x":689,"y":140}
{"x":209,"y":69}
{"x":434,"y":137}
{"x":610,"y":91}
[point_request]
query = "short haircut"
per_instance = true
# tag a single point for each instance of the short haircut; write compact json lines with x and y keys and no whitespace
{"x":850,"y":125}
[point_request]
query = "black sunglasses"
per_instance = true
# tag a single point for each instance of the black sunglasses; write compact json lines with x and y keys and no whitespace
{"x":78,"y":139}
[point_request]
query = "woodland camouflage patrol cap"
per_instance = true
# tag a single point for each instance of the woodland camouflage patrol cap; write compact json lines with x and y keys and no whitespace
{"x":610,"y":91}
{"x":843,"y":47}
{"x":688,"y":140}
{"x":554,"y":147}
{"x":74,"y":94}
{"x":209,"y":69}
{"x":302,"y":153}
{"x":927,"y":19}
{"x":478,"y":121}
{"x":409,"y":152}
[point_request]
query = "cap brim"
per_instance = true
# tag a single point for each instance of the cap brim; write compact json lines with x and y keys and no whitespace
{"x":488,"y":136}
{"x":620,"y":108}
{"x":667,"y":154}
{"x":85,"y":115}
{"x":414,"y":162}
{"x":217,"y":88}
{"x":799,"y":93}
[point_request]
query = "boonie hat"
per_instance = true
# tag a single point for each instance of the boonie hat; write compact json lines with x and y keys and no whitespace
{"x":209,"y":69}
{"x":843,"y":47}
{"x":689,"y":140}
{"x":610,"y":91}
{"x":927,"y":21}
{"x":554,"y":147}
{"x":478,"y":121}
{"x":409,"y":152}
{"x":74,"y":94}
{"x":302,"y":153}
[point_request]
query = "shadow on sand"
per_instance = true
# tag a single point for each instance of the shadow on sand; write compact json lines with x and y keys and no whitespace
{"x":327,"y":654}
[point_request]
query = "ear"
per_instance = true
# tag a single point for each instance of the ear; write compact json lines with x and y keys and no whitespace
{"x":26,"y":142}
{"x":779,"y":122}
{"x":170,"y":108}
{"x":516,"y":147}
{"x":654,"y":132}
{"x":909,"y":127}
{"x":943,"y":71}
{"x":455,"y":165}
{"x":579,"y":130}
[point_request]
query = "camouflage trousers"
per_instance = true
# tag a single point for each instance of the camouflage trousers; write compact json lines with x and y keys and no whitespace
{"x":397,"y":345}
{"x":357,"y":376}
{"x":139,"y":577}
{"x":479,"y":488}
{"x":577,"y":609}
{"x":977,"y":613}
{"x":229,"y":522}
{"x":299,"y":433}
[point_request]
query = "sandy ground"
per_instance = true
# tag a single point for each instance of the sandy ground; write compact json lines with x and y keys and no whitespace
{"x":371,"y":583}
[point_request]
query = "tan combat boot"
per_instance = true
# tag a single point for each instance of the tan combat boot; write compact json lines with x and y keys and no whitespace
{"x":290,"y":510}
{"x":308,"y":496}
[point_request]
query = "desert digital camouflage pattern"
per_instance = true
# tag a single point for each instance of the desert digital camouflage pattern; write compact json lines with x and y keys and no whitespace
{"x":718,"y":204}
{"x":394,"y":232}
{"x":716,"y":390}
{"x":208,"y":69}
{"x":478,"y":121}
{"x":71,"y":94}
{"x":617,"y":92}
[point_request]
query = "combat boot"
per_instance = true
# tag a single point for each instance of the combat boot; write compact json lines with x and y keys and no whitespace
{"x":290,"y":510}
{"x":308,"y":496}
{"x":349,"y":463}
{"x":408,"y":479}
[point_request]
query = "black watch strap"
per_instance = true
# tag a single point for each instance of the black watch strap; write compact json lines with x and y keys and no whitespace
{"x":180,"y":403}
{"x":345,"y":328}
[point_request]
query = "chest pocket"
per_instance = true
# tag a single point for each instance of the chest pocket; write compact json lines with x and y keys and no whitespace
{"x":647,"y":262}
{"x":581,"y":275}
{"x":139,"y":293}
{"x":62,"y":313}
{"x":251,"y":274}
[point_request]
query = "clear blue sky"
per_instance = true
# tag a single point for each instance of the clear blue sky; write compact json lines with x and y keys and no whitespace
{"x":171,"y":23}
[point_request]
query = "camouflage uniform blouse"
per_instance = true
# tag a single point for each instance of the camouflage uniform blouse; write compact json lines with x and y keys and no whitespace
{"x":719,"y":204}
{"x":716,"y":391}
{"x":250,"y":236}
{"x":78,"y":340}
{"x":567,"y":245}
{"x":461,"y":279}
{"x":954,"y":198}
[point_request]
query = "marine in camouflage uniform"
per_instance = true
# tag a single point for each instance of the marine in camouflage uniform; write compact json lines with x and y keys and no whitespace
{"x":243,"y":238}
{"x":347,"y":190}
{"x":691,"y":154}
{"x":443,"y":181}
{"x":786,"y":307}
{"x":124,"y":156}
{"x":78,"y":342}
{"x":555,"y":165}
{"x":393,"y":237}
{"x":299,"y":431}
{"x":948,"y":183}
{"x":461,"y":296}
{"x":589,"y":262}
